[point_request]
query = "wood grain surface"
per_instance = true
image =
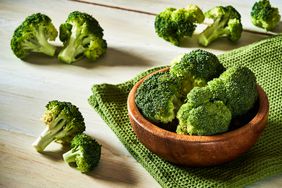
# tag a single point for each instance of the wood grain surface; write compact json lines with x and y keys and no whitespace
{"x":27,"y":86}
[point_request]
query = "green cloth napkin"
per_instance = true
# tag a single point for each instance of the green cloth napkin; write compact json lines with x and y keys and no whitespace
{"x":264,"y":58}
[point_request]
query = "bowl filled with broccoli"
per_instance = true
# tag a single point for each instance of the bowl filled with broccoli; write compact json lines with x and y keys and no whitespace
{"x":197,"y":113}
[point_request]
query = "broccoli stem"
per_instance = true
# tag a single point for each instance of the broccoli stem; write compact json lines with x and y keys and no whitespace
{"x":73,"y":48}
{"x":211,"y":33}
{"x":45,"y":47}
{"x":71,"y":155}
{"x":48,"y":135}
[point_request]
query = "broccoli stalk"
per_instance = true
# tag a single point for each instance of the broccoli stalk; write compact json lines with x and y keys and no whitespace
{"x":227,"y":23}
{"x":33,"y":36}
{"x":82,"y":36}
{"x":63,"y":121}
{"x":85,"y":153}
{"x":175,"y":24}
{"x":70,"y":156}
{"x":265,"y":16}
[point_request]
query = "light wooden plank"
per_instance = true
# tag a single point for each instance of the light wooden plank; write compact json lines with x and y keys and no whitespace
{"x":244,"y":8}
{"x":22,"y":166}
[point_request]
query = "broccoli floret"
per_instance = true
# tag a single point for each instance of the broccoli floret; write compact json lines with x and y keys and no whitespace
{"x":158,"y":98}
{"x":63,"y":121}
{"x":196,"y":69}
{"x":218,"y":90}
{"x":209,"y":109}
{"x":265,"y":16}
{"x":240,"y":89}
{"x":209,"y":118}
{"x":199,"y":96}
{"x":202,"y":115}
{"x":81,"y":35}
{"x":33,"y":35}
{"x":85,"y":153}
{"x":227,"y":23}
{"x":174,"y":24}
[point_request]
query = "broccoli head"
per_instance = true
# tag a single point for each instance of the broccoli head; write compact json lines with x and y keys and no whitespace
{"x":217,"y":89}
{"x":174,"y":24}
{"x":202,"y":115}
{"x":63,"y":121}
{"x":33,"y":35}
{"x":209,"y":118}
{"x":240,"y":89}
{"x":209,"y":109}
{"x":85,"y":153}
{"x":227,"y":23}
{"x":264,"y":15}
{"x":82,"y":36}
{"x":158,"y":97}
{"x":196,"y":69}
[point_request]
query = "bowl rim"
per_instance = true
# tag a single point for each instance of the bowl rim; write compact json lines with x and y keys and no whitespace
{"x":153,"y":129}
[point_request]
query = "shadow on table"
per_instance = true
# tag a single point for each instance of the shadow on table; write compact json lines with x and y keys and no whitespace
{"x":55,"y":154}
{"x":223,"y":43}
{"x":113,"y":57}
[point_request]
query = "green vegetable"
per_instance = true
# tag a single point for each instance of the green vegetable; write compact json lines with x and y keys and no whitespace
{"x":33,"y":35}
{"x":264,"y":15}
{"x":210,"y":118}
{"x":240,"y":89}
{"x":227,"y":23}
{"x":85,"y":153}
{"x":82,"y":36}
{"x":196,"y":69}
{"x":174,"y":24}
{"x":158,"y":97}
{"x":209,"y":109}
{"x":63,"y":121}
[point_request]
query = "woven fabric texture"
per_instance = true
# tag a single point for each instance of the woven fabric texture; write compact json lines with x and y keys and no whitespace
{"x":264,"y":58}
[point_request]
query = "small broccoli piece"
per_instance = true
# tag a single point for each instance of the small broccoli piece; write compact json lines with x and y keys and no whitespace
{"x":208,"y":118}
{"x":227,"y":23}
{"x":81,"y":35}
{"x":33,"y":35}
{"x":85,"y":153}
{"x":196,"y":69}
{"x":174,"y":24}
{"x":264,"y":15}
{"x":202,"y":115}
{"x":240,"y":89}
{"x":158,"y":97}
{"x":218,"y":90}
{"x":198,"y":96}
{"x":63,"y":121}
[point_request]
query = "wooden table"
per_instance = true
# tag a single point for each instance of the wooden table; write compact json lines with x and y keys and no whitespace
{"x":27,"y":86}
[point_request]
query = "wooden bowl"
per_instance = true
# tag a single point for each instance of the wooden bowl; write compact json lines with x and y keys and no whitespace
{"x":197,"y":151}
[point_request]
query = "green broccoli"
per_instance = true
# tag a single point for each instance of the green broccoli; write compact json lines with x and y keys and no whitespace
{"x":201,"y":115}
{"x":158,"y":97}
{"x":33,"y":36}
{"x":209,"y":109}
{"x":227,"y":23}
{"x":81,"y":35}
{"x":85,"y":153}
{"x":63,"y":121}
{"x":265,"y":16}
{"x":196,"y":69}
{"x":174,"y":24}
{"x":239,"y":92}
